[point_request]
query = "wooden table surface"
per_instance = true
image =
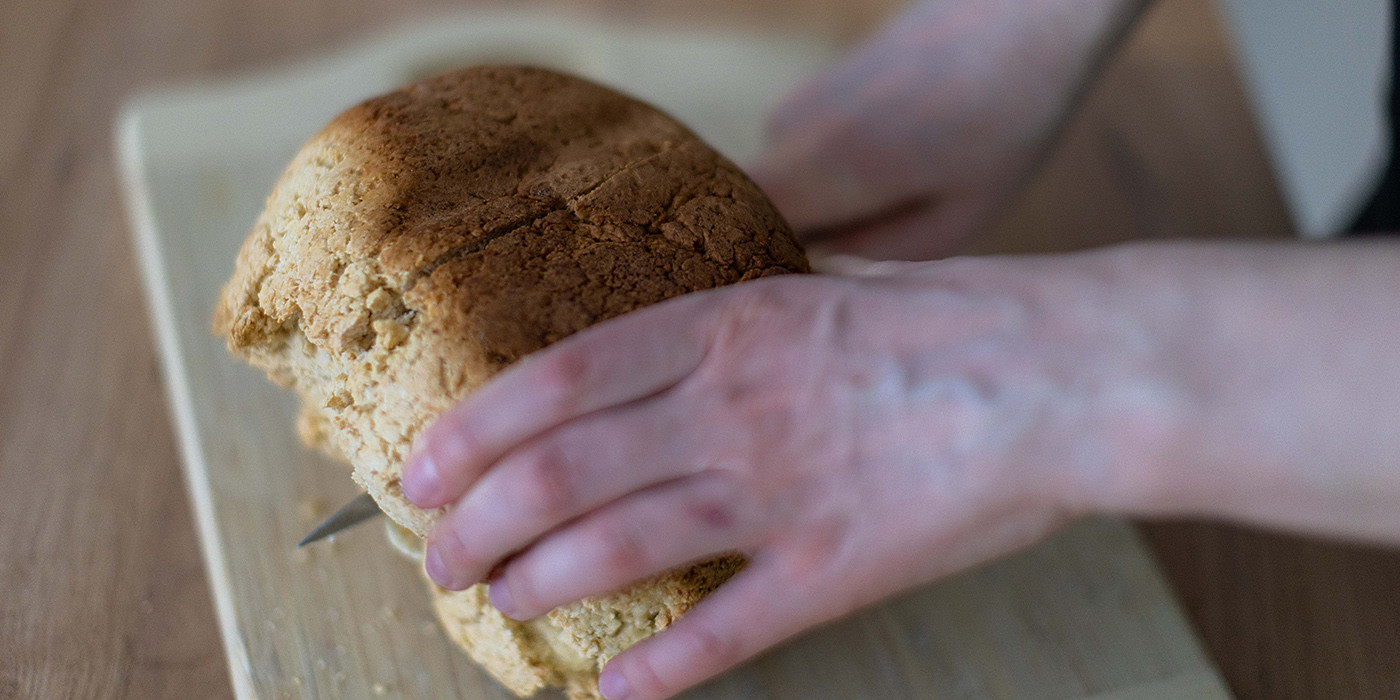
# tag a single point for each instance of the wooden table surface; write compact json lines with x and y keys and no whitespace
{"x":102,"y":593}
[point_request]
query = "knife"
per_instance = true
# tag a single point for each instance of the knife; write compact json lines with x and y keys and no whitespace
{"x":360,"y":509}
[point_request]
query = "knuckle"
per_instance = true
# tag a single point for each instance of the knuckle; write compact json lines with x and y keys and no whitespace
{"x":457,"y":555}
{"x":762,"y":304}
{"x":621,"y":548}
{"x":569,"y":368}
{"x":710,"y":648}
{"x":452,"y":442}
{"x":466,"y":552}
{"x":548,"y":485}
{"x":521,"y":584}
{"x":712,"y":512}
{"x":819,"y":551}
{"x":642,"y":674}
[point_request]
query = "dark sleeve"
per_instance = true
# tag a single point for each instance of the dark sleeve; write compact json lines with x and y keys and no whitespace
{"x":1382,"y":213}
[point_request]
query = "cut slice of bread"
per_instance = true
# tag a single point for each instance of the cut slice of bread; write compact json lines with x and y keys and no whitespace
{"x":427,"y":238}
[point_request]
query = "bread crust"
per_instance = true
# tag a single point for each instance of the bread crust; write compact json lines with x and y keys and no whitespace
{"x":427,"y":238}
{"x":569,"y":645}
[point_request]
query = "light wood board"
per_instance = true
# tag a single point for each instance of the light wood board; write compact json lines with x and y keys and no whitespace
{"x":1083,"y":615}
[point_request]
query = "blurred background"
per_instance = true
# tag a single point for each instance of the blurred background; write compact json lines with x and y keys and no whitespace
{"x":1219,"y":118}
{"x":1316,"y":74}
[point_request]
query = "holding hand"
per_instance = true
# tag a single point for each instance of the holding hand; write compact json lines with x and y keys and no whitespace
{"x":854,"y":436}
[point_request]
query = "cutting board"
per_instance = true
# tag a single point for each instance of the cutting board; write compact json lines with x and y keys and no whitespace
{"x":1085,"y":614}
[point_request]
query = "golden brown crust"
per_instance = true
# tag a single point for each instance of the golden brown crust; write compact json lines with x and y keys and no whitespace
{"x":427,"y":238}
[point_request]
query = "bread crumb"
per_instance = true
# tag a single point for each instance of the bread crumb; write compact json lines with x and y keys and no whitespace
{"x":338,"y":400}
{"x":391,"y":334}
{"x":378,"y":300}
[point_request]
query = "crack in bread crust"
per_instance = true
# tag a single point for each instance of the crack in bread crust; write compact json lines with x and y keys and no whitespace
{"x":427,"y":238}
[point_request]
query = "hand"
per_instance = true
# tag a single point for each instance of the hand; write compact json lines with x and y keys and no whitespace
{"x":854,"y":436}
{"x":916,"y":140}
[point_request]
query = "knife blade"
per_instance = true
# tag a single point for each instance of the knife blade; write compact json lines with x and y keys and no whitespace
{"x":360,"y":509}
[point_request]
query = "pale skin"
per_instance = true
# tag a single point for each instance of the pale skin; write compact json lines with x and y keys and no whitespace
{"x":863,"y":431}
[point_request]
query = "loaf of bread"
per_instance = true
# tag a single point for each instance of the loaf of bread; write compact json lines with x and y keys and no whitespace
{"x":427,"y":238}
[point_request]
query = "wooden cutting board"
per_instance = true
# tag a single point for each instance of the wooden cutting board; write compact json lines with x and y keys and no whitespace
{"x":1085,"y":614}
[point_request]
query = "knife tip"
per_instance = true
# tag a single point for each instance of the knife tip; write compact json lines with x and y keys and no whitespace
{"x":358,"y":510}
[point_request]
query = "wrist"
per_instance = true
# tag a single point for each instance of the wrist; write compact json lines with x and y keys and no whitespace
{"x":1188,"y":396}
{"x":1276,"y":384}
{"x":1146,"y":405}
{"x":1248,"y":382}
{"x":1120,"y":318}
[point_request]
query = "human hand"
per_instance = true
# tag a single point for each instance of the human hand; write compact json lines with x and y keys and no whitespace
{"x":910,"y":144}
{"x":854,"y":436}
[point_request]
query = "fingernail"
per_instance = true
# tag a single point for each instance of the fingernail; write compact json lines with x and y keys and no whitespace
{"x":420,"y":481}
{"x":437,"y":570}
{"x":499,"y":593}
{"x":612,"y":685}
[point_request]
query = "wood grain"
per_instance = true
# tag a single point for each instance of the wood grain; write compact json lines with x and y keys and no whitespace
{"x":101,"y":590}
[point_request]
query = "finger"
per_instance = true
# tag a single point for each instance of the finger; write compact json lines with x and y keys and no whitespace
{"x":745,"y":616}
{"x":617,"y":361}
{"x":559,"y":476}
{"x":652,"y":531}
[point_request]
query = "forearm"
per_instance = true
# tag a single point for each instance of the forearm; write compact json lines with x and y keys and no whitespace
{"x":1284,"y":367}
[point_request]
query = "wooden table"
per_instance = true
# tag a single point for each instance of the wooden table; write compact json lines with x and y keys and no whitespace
{"x":101,"y":588}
